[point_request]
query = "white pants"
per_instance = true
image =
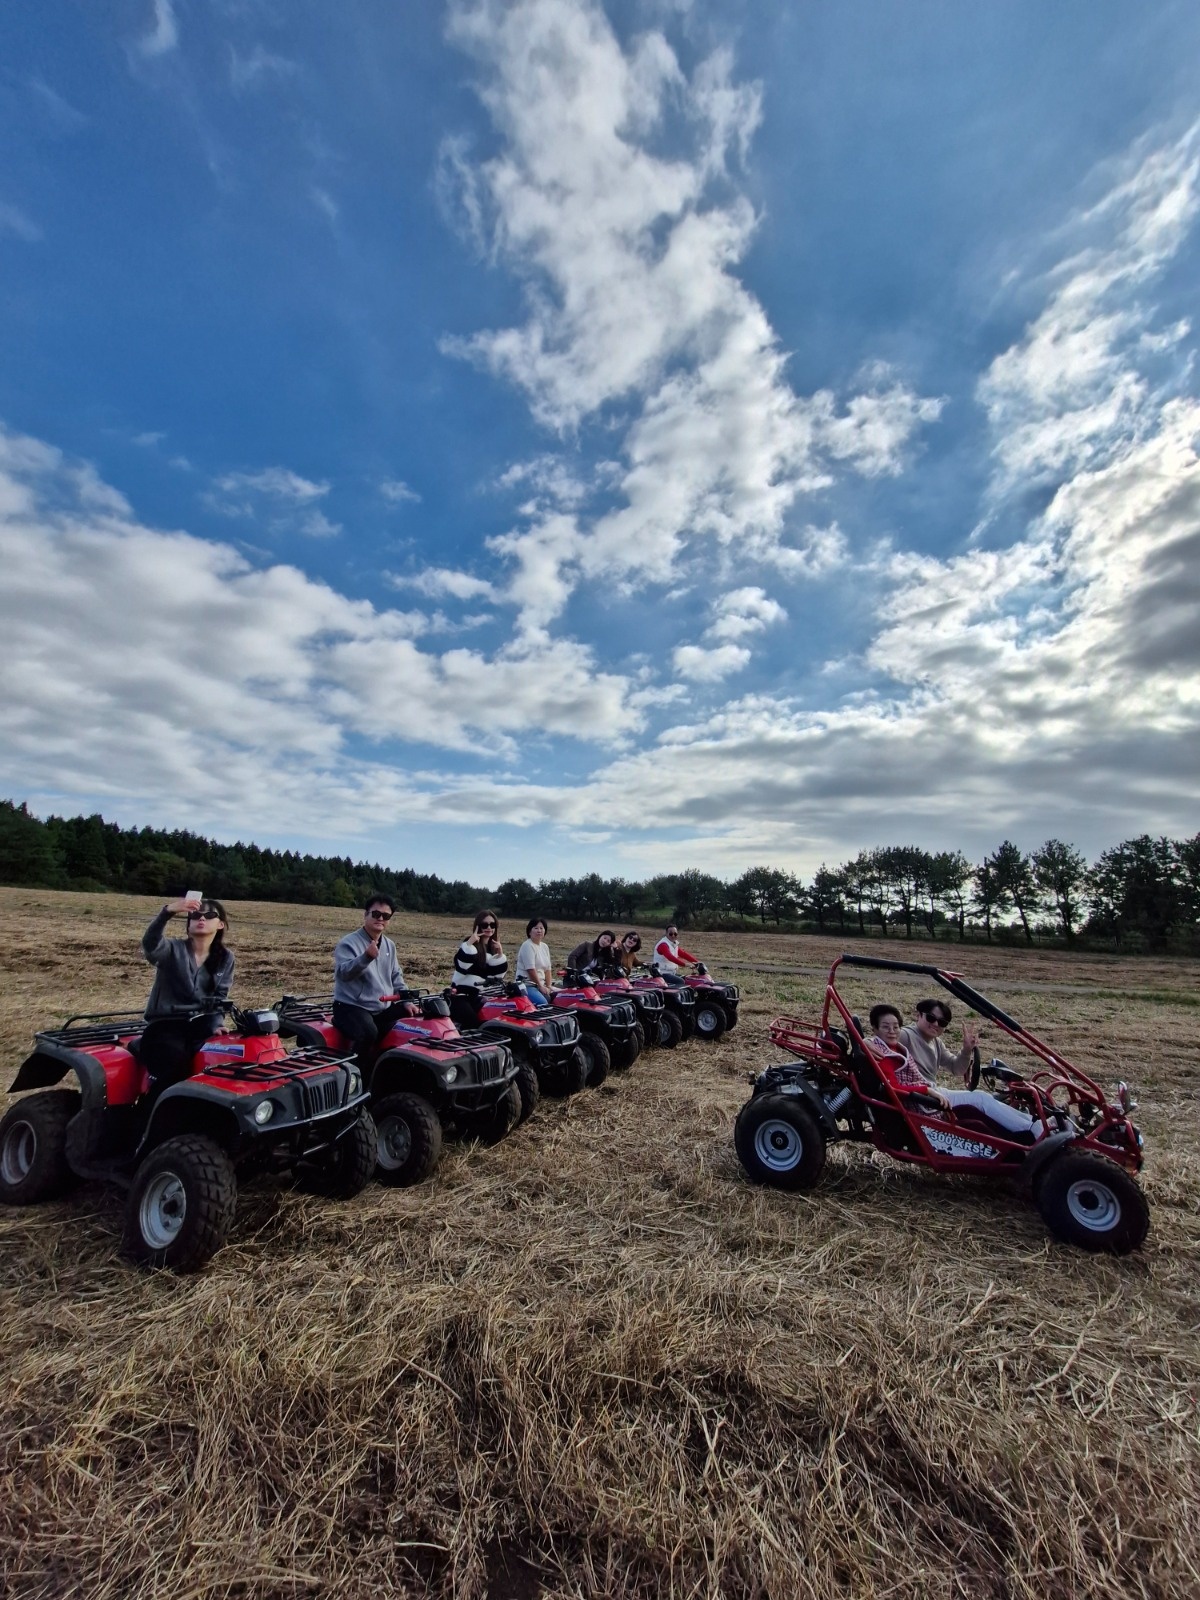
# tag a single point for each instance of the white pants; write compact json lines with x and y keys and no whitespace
{"x":997,"y":1111}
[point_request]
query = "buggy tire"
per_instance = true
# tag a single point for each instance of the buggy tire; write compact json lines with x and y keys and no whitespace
{"x":181,"y":1204}
{"x":1091,"y":1202}
{"x":598,"y":1058}
{"x":528,"y":1088}
{"x":670,"y":1031}
{"x":350,"y":1166}
{"x":33,"y":1147}
{"x":779,"y":1142}
{"x":711,"y":1021}
{"x":498,"y":1123}
{"x":410,"y":1139}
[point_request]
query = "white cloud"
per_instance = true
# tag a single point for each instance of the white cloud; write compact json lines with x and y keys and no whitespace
{"x":398,"y":493}
{"x":164,"y":33}
{"x":135,"y":659}
{"x":742,"y":612}
{"x":629,"y":259}
{"x":14,"y":221}
{"x":436,"y":581}
{"x":258,"y":67}
{"x":1070,"y":389}
{"x":281,"y":498}
{"x":278,"y":482}
{"x":701,"y":665}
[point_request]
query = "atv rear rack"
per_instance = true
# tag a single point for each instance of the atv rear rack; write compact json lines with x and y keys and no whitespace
{"x":98,"y":1027}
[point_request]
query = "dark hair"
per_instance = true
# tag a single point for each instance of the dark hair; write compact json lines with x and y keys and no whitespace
{"x":378,"y":898}
{"x":479,"y":916}
{"x":635,"y":936}
{"x":877,"y":1014}
{"x":532,"y":924}
{"x":215,"y":959}
{"x":606,"y":934}
{"x":924,"y":1007}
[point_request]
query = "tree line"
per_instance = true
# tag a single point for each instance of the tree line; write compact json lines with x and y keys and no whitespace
{"x":1141,"y":894}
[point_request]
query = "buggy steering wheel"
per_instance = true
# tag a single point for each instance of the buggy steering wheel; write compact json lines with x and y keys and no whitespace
{"x":973,"y":1074}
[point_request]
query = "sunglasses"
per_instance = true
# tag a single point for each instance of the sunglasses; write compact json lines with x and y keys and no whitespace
{"x":205,"y":914}
{"x":381,"y":916}
{"x":485,"y":925}
{"x":937,"y":1022}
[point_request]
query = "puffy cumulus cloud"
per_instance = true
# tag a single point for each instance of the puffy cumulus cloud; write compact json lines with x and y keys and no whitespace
{"x":703,"y":665}
{"x":629,"y":254}
{"x":141,"y":662}
{"x":744,"y":611}
{"x":434,"y":581}
{"x":1071,"y":388}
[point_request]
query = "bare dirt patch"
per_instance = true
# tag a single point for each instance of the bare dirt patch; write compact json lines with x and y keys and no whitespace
{"x":594,"y":1360}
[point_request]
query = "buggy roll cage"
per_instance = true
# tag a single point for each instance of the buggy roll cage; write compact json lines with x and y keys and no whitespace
{"x":1058,"y":1072}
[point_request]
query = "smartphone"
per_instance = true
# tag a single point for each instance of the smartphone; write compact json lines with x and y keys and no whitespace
{"x":194,"y":894}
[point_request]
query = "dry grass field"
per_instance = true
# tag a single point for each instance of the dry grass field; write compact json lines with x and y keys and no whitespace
{"x":595,"y":1361}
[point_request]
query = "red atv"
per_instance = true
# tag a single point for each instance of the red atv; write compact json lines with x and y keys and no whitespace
{"x":716,"y":1002}
{"x":611,"y":1032}
{"x":1077,"y":1161}
{"x":657,"y":1028}
{"x":547,"y":1043}
{"x":426,"y":1081}
{"x":247,"y":1107}
{"x":679,"y":1005}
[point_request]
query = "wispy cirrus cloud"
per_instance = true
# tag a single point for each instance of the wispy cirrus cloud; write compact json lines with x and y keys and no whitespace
{"x":15,"y":223}
{"x":163,"y":36}
{"x":280,"y":498}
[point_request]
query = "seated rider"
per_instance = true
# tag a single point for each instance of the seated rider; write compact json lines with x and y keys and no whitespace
{"x":592,"y":955}
{"x":533,"y":962}
{"x":668,"y":957}
{"x":909,"y":1077}
{"x":480,"y":958}
{"x":365,"y":969}
{"x":925,"y":1041}
{"x":192,"y":980}
{"x":628,"y":953}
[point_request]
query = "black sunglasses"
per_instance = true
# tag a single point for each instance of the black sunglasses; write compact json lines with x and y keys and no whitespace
{"x":206,"y":912}
{"x":380,"y":916}
{"x":484,"y":925}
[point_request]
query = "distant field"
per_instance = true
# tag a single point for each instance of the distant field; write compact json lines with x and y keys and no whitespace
{"x":594,"y":1361}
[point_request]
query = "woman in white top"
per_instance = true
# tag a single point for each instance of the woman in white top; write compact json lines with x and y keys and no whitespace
{"x":533,"y":963}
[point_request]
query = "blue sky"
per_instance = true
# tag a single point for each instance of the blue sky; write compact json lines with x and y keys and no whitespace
{"x":534,"y":437}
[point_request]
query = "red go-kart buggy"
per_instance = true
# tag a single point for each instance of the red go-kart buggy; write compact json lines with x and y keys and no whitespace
{"x":247,"y":1107}
{"x":1078,"y":1160}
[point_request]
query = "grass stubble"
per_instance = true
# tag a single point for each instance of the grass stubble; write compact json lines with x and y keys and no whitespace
{"x":595,"y":1361}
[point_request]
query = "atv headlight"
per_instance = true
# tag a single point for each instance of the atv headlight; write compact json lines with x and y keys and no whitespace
{"x":539,"y":1037}
{"x":449,"y":1074}
{"x":263,"y":1112}
{"x":356,"y":1083}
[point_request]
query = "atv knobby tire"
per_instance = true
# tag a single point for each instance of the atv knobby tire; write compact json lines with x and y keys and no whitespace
{"x":711,"y":1021}
{"x":567,"y":1077}
{"x":1091,"y":1202}
{"x":498,"y":1123}
{"x":410,"y":1139}
{"x":529,"y":1089}
{"x":623,"y":1055}
{"x":350,"y":1165}
{"x":597,"y":1058}
{"x":670,"y":1031}
{"x":779,"y":1142}
{"x":33,"y":1147}
{"x":180,"y":1208}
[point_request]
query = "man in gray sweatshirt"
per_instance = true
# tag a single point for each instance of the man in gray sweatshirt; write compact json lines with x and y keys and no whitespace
{"x":365,"y":969}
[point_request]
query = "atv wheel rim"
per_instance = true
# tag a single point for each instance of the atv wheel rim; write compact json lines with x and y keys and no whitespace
{"x":1094,"y":1206}
{"x":706,"y":1021}
{"x":777,"y":1145}
{"x":162,"y":1211}
{"x":20,"y":1148}
{"x":395,"y":1143}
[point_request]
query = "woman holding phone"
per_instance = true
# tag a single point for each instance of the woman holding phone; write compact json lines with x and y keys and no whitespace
{"x":191,"y":984}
